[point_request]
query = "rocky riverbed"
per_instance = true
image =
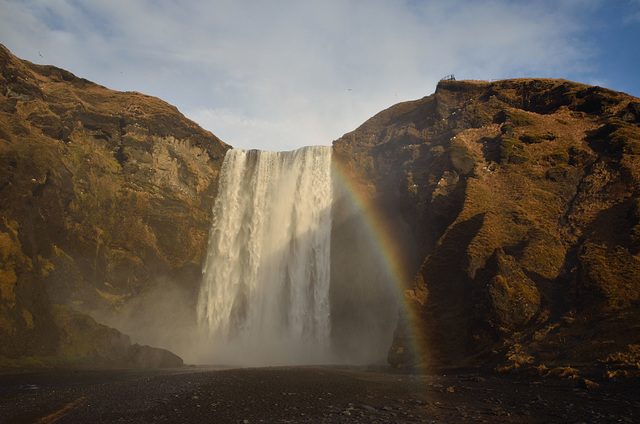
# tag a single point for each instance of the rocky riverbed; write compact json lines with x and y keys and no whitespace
{"x":308,"y":395}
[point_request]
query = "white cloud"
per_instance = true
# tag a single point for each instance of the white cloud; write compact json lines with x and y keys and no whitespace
{"x":633,"y":12}
{"x":252,"y":133}
{"x":282,"y":74}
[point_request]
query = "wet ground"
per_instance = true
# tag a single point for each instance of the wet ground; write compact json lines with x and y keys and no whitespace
{"x":307,"y":395}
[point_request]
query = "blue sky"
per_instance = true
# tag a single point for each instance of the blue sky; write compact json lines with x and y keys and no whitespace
{"x":281,"y":74}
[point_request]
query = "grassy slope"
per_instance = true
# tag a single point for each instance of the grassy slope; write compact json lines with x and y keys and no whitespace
{"x":102,"y":194}
{"x":524,"y":195}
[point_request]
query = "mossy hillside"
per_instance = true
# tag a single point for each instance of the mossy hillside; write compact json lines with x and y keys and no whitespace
{"x":523,"y":194}
{"x":103,"y":194}
{"x":610,"y":278}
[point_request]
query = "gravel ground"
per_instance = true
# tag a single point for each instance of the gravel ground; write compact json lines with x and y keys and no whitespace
{"x":307,"y":395}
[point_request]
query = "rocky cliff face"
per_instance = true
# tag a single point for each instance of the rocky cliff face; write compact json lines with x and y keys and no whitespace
{"x":524,"y":196}
{"x":103,"y":194}
{"x":516,"y":203}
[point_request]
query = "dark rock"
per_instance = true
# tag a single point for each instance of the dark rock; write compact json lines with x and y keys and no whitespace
{"x":83,"y":341}
{"x":150,"y":357}
{"x":402,"y":352}
{"x":632,"y":112}
{"x":461,"y":158}
{"x":513,"y":297}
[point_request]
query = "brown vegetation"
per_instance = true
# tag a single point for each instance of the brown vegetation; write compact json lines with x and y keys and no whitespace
{"x":523,"y":195}
{"x":517,"y":203}
{"x":103,"y":195}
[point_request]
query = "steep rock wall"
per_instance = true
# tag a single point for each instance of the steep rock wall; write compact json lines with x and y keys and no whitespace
{"x":523,"y":195}
{"x":103,"y":194}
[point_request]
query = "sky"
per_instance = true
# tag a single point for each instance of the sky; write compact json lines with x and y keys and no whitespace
{"x":282,"y":74}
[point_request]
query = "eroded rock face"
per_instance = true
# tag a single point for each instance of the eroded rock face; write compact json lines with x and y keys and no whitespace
{"x":103,"y":194}
{"x":524,"y":197}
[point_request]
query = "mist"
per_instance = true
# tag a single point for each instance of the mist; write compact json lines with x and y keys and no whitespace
{"x":293,"y":274}
{"x":162,"y":317}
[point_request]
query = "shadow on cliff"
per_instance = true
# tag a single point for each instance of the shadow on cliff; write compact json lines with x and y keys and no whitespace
{"x":448,"y":288}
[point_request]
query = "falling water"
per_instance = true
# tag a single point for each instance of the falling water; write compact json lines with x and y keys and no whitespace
{"x":265,"y":295}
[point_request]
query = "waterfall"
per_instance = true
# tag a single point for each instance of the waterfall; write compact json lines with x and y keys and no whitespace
{"x":265,"y":294}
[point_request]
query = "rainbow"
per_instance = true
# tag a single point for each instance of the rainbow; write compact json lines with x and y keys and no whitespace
{"x":389,"y":250}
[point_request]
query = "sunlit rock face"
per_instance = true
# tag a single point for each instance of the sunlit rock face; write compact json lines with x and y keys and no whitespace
{"x":104,"y":195}
{"x":524,"y":198}
{"x":513,"y":203}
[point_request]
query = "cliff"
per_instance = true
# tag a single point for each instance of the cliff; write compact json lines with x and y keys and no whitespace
{"x":103,"y":193}
{"x":523,"y":196}
{"x":515,"y":203}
